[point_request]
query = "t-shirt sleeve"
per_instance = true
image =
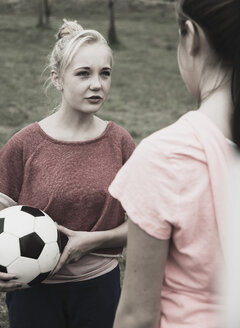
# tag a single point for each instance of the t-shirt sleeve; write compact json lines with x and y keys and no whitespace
{"x":11,"y":172}
{"x":147,"y":187}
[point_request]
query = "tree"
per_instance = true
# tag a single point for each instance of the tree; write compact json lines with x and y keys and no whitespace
{"x":40,"y":13}
{"x":112,"y":35}
{"x":44,"y":13}
{"x":47,"y":11}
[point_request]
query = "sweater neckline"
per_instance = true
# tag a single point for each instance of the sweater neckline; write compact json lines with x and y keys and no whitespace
{"x":62,"y":142}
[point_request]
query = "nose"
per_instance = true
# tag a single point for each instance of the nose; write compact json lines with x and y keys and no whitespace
{"x":95,"y":83}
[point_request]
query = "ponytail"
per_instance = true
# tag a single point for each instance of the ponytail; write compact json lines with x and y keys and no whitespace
{"x":235,"y":89}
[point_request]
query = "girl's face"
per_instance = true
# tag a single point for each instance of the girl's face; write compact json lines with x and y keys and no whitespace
{"x":86,"y":81}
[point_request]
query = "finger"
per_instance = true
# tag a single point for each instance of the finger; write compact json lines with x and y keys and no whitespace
{"x":5,"y":290}
{"x":64,"y":230}
{"x":7,"y":276}
{"x":74,"y":260}
{"x":9,"y":286}
{"x":9,"y":289}
{"x":63,"y":259}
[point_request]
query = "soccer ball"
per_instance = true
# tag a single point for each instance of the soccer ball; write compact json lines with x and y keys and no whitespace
{"x":29,"y":244}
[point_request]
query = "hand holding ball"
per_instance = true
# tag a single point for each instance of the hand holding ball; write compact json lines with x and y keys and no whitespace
{"x":29,"y":244}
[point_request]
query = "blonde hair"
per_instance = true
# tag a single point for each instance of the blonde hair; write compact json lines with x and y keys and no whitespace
{"x":70,"y":37}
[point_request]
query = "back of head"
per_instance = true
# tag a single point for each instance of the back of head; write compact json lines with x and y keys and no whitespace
{"x":70,"y":37}
{"x":220,"y":21}
{"x":68,"y":28}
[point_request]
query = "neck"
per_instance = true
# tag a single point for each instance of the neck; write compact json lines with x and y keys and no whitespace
{"x":66,"y":127}
{"x":218,"y":107}
{"x":73,"y":120}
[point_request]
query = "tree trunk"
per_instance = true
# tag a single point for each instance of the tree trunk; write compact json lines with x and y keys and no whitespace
{"x":44,"y":13}
{"x":40,"y":13}
{"x":47,"y":12}
{"x":112,"y":35}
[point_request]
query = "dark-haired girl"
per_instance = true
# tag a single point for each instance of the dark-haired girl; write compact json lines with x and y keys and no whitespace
{"x":173,"y":186}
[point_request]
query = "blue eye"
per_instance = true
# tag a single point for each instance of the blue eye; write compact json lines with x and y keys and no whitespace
{"x":106,"y":73}
{"x":83,"y":73}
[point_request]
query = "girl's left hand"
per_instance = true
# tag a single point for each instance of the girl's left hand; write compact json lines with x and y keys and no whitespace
{"x":79,"y":243}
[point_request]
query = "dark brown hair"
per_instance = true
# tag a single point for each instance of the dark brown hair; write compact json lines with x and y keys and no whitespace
{"x":220,"y":20}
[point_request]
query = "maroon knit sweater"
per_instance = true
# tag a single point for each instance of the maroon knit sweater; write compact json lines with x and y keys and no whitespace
{"x":67,"y":180}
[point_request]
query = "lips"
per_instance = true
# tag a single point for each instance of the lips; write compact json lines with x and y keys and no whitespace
{"x":94,"y":97}
{"x":94,"y":100}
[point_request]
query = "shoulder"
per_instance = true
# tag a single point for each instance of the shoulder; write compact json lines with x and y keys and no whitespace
{"x":26,"y":132}
{"x":122,"y":138}
{"x":119,"y":131}
{"x":24,"y":138}
{"x":176,"y":141}
{"x":169,"y":155}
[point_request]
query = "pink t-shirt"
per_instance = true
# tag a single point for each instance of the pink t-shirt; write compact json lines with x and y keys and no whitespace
{"x":166,"y":189}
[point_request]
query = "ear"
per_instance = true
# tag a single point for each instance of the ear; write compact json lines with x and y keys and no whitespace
{"x":192,"y":38}
{"x":56,"y":81}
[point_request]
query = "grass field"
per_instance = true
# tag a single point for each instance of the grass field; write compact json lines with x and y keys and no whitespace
{"x":147,"y":92}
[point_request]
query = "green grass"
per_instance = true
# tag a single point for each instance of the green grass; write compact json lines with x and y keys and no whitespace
{"x":147,"y":91}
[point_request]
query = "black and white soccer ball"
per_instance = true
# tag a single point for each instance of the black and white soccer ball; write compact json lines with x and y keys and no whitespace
{"x":29,"y":244}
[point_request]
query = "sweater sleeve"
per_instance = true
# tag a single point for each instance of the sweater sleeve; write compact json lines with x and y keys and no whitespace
{"x":11,"y":173}
{"x":128,"y":146}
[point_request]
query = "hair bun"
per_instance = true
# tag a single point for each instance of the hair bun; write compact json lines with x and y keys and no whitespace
{"x":68,"y":28}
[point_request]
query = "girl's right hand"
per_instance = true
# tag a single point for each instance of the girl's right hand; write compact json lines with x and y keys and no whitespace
{"x":8,"y":282}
